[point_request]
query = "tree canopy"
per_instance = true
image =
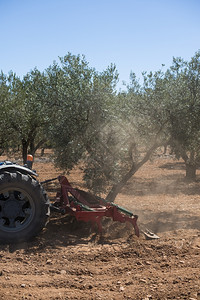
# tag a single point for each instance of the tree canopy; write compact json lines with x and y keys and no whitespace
{"x":79,"y":112}
{"x":184,"y":111}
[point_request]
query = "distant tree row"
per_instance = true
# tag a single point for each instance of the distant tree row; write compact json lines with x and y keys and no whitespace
{"x":77,"y":111}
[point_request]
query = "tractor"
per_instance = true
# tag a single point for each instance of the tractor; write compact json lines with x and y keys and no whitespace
{"x":25,"y":206}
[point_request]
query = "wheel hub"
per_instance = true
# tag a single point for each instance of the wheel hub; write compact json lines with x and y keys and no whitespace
{"x":15,"y":210}
{"x":11,"y":209}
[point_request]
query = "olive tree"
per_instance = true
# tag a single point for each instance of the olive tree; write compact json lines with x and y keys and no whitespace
{"x":27,"y":111}
{"x":136,"y":131}
{"x":183,"y":109}
{"x":4,"y":124}
{"x":80,"y":107}
{"x":171,"y":100}
{"x":112,"y":135}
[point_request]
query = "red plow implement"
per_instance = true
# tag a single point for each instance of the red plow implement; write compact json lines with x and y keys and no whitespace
{"x":85,"y":207}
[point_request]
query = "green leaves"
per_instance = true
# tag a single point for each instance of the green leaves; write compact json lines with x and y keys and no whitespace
{"x":84,"y":97}
{"x":25,"y":110}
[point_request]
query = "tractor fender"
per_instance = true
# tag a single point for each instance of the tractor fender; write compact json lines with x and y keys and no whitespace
{"x":9,"y":166}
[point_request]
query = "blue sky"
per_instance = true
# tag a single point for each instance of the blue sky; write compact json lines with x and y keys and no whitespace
{"x":136,"y":35}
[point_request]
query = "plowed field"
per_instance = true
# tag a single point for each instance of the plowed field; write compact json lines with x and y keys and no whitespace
{"x":69,"y":261}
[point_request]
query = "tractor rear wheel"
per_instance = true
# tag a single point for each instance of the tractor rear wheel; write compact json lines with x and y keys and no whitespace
{"x":24,"y":207}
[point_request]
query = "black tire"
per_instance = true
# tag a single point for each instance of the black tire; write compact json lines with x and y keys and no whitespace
{"x":24,"y":207}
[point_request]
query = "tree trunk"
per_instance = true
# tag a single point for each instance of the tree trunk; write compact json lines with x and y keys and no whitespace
{"x":117,"y":187}
{"x":24,"y":150}
{"x":191,"y":171}
{"x":34,"y":148}
{"x":190,"y":165}
{"x":135,"y":167}
{"x":42,"y":151}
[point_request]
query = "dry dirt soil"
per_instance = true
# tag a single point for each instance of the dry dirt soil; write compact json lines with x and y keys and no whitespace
{"x":69,"y":261}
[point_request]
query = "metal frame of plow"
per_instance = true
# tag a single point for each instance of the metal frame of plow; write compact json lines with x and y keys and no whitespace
{"x":83,"y":210}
